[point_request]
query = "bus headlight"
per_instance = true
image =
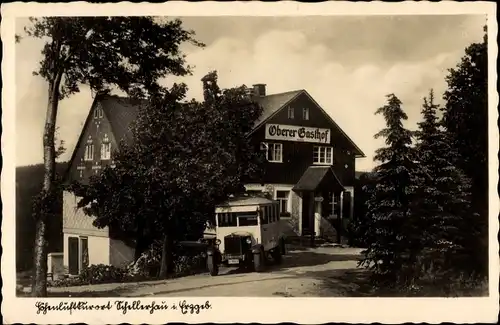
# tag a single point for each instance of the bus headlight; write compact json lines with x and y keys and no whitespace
{"x":217,"y":242}
{"x":249,"y":241}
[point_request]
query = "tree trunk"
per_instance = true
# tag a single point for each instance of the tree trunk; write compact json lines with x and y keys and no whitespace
{"x":39,"y":283}
{"x":142,"y":244}
{"x":166,"y":257}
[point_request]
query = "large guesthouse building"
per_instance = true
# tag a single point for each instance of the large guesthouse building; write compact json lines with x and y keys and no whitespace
{"x":310,"y":169}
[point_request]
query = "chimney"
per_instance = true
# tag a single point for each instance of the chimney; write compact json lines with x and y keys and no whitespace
{"x":259,"y":90}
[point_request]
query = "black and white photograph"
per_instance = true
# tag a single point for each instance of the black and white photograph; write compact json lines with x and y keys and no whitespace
{"x":223,"y":153}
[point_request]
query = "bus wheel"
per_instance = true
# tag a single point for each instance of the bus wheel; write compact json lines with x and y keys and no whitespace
{"x":282,"y":246}
{"x":258,"y":261}
{"x":277,"y":254}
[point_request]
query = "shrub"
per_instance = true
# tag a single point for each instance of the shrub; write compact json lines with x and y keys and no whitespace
{"x":434,"y":282}
{"x":187,"y":265}
{"x":66,"y":282}
{"x":101,"y":273}
{"x":356,"y":234}
{"x":433,"y":275}
{"x":95,"y":274}
{"x":148,"y":264}
{"x":188,"y":260}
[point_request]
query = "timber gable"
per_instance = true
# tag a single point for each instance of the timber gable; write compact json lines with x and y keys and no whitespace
{"x":95,"y":145}
{"x":318,"y":117}
{"x":75,"y":165}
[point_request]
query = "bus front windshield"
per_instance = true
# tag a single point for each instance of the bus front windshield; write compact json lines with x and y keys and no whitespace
{"x":233,"y":219}
{"x":247,"y":218}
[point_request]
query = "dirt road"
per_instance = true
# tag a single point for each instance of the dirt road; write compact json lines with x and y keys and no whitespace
{"x":322,"y":271}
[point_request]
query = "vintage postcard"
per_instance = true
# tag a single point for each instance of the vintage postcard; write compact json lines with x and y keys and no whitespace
{"x":250,"y":162}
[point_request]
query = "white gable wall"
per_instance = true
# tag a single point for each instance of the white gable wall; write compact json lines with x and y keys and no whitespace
{"x":101,"y":248}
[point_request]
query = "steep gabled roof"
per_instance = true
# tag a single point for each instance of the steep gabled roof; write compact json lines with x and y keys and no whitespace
{"x":360,"y":153}
{"x":121,"y":112}
{"x":273,"y":103}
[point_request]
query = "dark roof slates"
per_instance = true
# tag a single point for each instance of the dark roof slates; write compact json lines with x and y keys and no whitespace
{"x":121,"y":112}
{"x":272,"y":103}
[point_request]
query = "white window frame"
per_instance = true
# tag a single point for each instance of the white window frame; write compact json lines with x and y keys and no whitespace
{"x":281,"y":199}
{"x":272,"y":146}
{"x":291,"y":113}
{"x":80,"y":252}
{"x":324,"y":161}
{"x":106,"y":148}
{"x":98,"y":113}
{"x":89,"y":150}
{"x":305,"y":113}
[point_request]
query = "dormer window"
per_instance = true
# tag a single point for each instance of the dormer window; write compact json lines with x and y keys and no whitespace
{"x":305,"y":113}
{"x":106,"y":148}
{"x":290,"y":113}
{"x":89,"y":150}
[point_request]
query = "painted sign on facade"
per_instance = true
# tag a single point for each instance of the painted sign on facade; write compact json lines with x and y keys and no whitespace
{"x":297,"y":133}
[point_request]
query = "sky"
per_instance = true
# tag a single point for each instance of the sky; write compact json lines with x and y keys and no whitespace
{"x":347,"y":63}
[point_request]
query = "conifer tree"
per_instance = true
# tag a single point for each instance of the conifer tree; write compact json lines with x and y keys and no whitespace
{"x":466,"y":118}
{"x":392,"y":231}
{"x":466,"y":123}
{"x":444,"y":205}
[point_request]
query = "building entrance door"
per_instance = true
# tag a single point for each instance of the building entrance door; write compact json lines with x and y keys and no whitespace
{"x":306,"y":213}
{"x":73,"y":256}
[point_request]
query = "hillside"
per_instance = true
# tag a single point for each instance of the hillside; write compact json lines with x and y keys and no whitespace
{"x":28,"y":184}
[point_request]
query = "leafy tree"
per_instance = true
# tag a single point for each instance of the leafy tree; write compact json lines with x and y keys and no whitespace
{"x":130,"y":53}
{"x":184,"y":158}
{"x":392,"y":231}
{"x":444,"y":205}
{"x":466,"y":118}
